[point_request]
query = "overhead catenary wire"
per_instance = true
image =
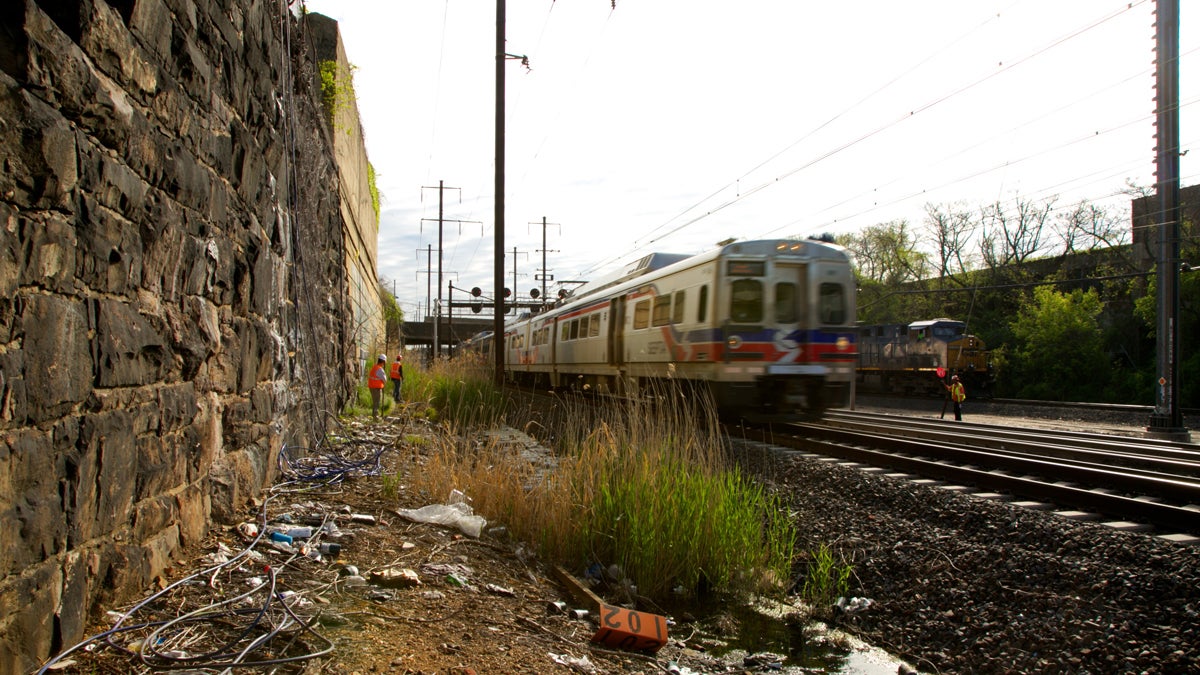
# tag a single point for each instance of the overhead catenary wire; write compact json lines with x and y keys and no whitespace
{"x":907,"y":115}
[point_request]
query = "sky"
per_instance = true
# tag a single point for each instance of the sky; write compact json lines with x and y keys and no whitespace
{"x":671,"y":125}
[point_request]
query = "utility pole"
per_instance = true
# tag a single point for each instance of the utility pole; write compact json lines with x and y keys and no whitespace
{"x":514,"y":286}
{"x":441,"y":221}
{"x":498,"y":246}
{"x":1167,"y":418}
{"x":545,"y":275}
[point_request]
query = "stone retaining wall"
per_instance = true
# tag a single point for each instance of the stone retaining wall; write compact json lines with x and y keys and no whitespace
{"x":172,"y":290}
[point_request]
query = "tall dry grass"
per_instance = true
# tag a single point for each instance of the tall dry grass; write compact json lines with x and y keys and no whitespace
{"x":645,"y":485}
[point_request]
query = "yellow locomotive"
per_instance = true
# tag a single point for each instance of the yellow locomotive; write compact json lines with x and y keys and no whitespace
{"x":906,"y":358}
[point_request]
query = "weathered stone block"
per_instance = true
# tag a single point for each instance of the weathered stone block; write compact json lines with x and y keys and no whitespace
{"x":14,"y":403}
{"x":192,"y":505}
{"x":107,"y":453}
{"x":37,"y":150}
{"x":160,"y":467}
{"x":152,"y":515}
{"x":151,"y":23}
{"x":27,"y":606}
{"x":56,"y":355}
{"x":105,"y":39}
{"x":110,"y":257}
{"x":50,"y":245}
{"x":130,"y":351}
{"x":177,"y":407}
{"x":31,"y":514}
{"x":66,"y":78}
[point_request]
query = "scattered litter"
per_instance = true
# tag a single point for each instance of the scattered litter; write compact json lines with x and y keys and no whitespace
{"x":457,"y":513}
{"x":500,"y":590}
{"x":433,"y":595}
{"x":556,"y":607}
{"x":443,"y":570}
{"x":581,"y":664}
{"x":395,"y":577}
{"x":850,"y":605}
{"x":248,"y":530}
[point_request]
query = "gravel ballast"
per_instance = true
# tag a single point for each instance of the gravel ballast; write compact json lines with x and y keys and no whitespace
{"x":969,"y":585}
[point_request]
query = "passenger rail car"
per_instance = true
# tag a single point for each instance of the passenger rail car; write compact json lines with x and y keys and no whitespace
{"x":766,"y":326}
{"x":905,"y":358}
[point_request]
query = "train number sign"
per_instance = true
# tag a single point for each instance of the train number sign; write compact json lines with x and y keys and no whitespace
{"x":632,"y":630}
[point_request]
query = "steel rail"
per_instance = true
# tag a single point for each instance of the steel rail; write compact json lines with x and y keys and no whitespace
{"x":960,"y":465}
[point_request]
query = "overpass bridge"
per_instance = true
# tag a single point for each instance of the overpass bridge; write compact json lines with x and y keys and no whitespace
{"x":451,"y":330}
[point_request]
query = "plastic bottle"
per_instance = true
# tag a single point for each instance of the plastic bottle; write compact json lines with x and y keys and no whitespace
{"x":281,"y":538}
{"x":299,"y":532}
{"x":330,"y":549}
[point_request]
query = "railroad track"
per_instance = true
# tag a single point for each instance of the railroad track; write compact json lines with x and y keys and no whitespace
{"x":1131,"y":480}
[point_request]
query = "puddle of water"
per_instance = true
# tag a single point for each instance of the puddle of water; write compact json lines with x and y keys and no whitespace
{"x":765,"y":628}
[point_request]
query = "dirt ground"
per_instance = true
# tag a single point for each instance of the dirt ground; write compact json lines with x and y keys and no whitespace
{"x":399,"y":597}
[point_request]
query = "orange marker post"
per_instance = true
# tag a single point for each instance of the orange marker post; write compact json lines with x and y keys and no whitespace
{"x":629,"y":629}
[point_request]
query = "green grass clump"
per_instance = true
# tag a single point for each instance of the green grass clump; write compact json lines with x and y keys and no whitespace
{"x":647,"y":486}
{"x":827,"y":578}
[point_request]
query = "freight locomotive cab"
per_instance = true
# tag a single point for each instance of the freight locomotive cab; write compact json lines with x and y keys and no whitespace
{"x":765,"y":326}
{"x":904,"y":358}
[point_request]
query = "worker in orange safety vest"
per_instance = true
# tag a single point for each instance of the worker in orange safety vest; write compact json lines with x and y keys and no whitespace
{"x":397,"y":376}
{"x":958,"y":394}
{"x":375,"y":382}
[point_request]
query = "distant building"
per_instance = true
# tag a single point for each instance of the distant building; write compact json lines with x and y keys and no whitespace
{"x":1145,"y":230}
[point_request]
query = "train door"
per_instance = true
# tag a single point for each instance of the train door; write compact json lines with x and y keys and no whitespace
{"x":616,"y":332}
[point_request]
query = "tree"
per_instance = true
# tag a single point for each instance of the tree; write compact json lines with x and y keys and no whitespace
{"x":949,"y":227}
{"x":1058,"y":352}
{"x":1013,"y":233}
{"x":1088,"y":227}
{"x":887,"y":253}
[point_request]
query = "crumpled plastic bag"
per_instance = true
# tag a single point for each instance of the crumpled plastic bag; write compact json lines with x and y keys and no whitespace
{"x":457,"y":513}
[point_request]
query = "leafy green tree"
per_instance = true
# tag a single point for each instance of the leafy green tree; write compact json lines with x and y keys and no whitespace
{"x":1058,"y":351}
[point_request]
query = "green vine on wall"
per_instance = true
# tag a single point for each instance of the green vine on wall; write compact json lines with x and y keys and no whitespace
{"x":374,"y":191}
{"x":337,"y":90}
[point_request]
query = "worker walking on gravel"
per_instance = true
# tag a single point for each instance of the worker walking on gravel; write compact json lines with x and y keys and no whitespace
{"x":958,"y":394}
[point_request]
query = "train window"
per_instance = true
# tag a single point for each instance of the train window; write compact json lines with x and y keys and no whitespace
{"x":832,"y":304}
{"x":566,"y":332}
{"x":677,"y":313}
{"x":662,"y":310}
{"x":594,"y":327}
{"x":746,"y":301}
{"x":583,"y":326}
{"x":574,"y":329}
{"x":641,"y":314}
{"x":702,"y":309}
{"x":785,"y":302}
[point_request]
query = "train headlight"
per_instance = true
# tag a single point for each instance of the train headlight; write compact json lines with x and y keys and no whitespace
{"x":733,"y":341}
{"x":843,"y":343}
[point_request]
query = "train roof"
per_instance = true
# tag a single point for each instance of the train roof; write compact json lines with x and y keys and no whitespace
{"x":654,"y":262}
{"x":929,"y":322}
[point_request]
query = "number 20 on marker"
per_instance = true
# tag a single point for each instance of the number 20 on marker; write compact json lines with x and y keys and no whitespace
{"x":630,"y":629}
